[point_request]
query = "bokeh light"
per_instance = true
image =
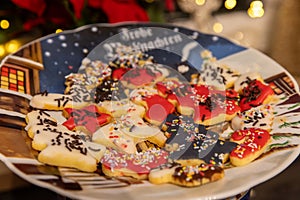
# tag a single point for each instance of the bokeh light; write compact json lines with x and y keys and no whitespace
{"x":4,"y":24}
{"x":12,"y":46}
{"x":58,"y":30}
{"x":230,"y":4}
{"x":218,"y":27}
{"x":256,"y":9}
{"x":2,"y":50}
{"x":200,"y":2}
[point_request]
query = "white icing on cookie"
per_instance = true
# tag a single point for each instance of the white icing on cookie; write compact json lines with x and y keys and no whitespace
{"x":122,"y":107}
{"x":216,"y":74}
{"x":137,"y":95}
{"x":78,"y":96}
{"x":43,"y":136}
{"x":38,"y":117}
{"x":110,"y":135}
{"x":77,"y":157}
{"x":137,"y":128}
{"x":259,"y":117}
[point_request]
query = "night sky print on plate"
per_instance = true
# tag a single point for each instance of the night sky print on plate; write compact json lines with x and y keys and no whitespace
{"x":77,"y":44}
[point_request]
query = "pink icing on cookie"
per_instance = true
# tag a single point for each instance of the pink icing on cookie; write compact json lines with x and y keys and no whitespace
{"x":140,"y":76}
{"x":140,"y":162}
{"x":158,"y":108}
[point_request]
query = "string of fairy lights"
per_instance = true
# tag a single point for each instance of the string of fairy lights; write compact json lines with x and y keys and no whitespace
{"x":255,"y":10}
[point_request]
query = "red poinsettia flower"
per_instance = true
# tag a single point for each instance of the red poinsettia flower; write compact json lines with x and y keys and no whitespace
{"x":123,"y":10}
{"x":62,"y":14}
{"x":120,"y":10}
{"x":78,"y":6}
{"x":35,"y":6}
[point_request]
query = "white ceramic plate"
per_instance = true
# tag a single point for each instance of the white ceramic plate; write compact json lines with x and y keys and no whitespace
{"x":46,"y":61}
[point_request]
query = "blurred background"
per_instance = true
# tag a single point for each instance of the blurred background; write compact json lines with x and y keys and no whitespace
{"x":271,"y":26}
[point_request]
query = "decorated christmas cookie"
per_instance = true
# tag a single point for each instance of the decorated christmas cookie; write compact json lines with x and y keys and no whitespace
{"x":187,"y":176}
{"x":71,"y":151}
{"x":215,"y":74}
{"x":59,"y":146}
{"x":137,"y":165}
{"x":38,"y":117}
{"x":252,"y":143}
{"x":87,"y":119}
{"x":144,"y":76}
{"x":90,"y":74}
{"x":257,"y":117}
{"x":78,"y":96}
{"x":111,"y":136}
{"x":244,"y":80}
{"x":188,"y":140}
{"x":110,"y":90}
{"x":255,"y":94}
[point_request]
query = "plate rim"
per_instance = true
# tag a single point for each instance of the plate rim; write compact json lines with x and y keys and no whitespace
{"x":279,"y":168}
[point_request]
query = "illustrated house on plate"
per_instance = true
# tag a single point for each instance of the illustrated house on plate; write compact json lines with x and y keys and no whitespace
{"x":20,"y":72}
{"x":19,"y":80}
{"x":282,"y":84}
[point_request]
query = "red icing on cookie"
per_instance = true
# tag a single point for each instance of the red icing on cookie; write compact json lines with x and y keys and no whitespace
{"x":90,"y":117}
{"x":250,"y":141}
{"x":176,"y":93}
{"x":167,"y":87}
{"x":140,"y":163}
{"x":117,"y":74}
{"x":158,"y":108}
{"x":254,"y":94}
{"x":208,"y":103}
{"x":140,"y":76}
